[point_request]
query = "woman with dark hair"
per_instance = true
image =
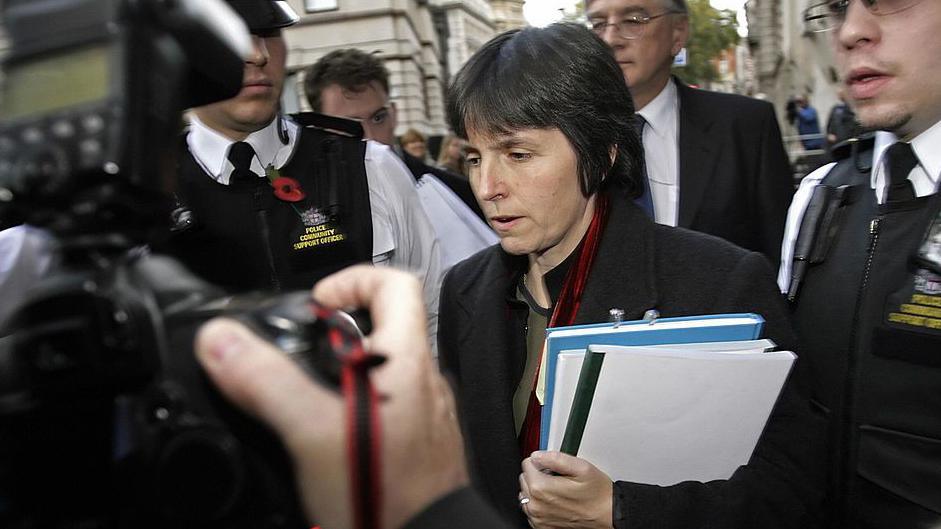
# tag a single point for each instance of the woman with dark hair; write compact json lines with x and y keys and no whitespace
{"x":554,"y":161}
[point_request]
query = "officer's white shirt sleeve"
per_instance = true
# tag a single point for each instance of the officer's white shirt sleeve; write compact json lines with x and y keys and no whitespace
{"x":27,"y":254}
{"x":794,"y":216}
{"x":403,"y":237}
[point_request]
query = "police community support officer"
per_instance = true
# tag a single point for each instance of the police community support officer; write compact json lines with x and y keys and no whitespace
{"x":278,"y":202}
{"x":865,"y":272}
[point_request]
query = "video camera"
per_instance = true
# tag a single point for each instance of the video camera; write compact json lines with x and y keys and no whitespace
{"x":106,"y":420}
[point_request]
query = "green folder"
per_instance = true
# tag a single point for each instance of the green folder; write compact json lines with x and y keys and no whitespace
{"x":581,"y":402}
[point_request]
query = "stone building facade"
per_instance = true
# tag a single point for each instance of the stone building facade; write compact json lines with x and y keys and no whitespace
{"x":507,"y":14}
{"x":423,"y":43}
{"x":789,"y":59}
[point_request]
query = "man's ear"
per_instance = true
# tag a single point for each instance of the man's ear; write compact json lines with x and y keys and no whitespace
{"x":680,"y":33}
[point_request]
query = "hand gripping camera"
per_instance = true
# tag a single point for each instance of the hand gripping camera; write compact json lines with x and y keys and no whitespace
{"x":105,"y":418}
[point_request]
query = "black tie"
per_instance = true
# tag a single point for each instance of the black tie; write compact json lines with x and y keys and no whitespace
{"x":645,"y":200}
{"x":900,"y":160}
{"x":241,"y":154}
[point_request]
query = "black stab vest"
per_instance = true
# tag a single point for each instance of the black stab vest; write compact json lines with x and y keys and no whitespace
{"x":245,"y":238}
{"x":869,"y":319}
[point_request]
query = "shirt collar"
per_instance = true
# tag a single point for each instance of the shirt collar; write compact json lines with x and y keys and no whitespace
{"x":211,"y":149}
{"x":660,"y":112}
{"x":929,"y":159}
{"x":926,"y":149}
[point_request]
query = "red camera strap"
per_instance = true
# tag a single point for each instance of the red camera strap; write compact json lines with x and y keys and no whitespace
{"x":363,"y":427}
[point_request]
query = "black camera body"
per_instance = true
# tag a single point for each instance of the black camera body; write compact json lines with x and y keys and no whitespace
{"x":91,"y":102}
{"x":106,"y":420}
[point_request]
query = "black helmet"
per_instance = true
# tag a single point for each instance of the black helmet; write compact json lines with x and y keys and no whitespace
{"x":264,"y":15}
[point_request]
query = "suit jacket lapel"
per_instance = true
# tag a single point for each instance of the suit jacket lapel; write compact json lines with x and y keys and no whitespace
{"x":487,"y":328}
{"x":697,"y":163}
{"x":627,"y":244}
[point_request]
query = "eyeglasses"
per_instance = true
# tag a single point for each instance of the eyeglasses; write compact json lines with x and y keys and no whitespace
{"x":831,"y":14}
{"x":631,"y":27}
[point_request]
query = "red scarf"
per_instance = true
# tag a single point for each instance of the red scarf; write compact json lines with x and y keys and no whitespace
{"x":564,"y":314}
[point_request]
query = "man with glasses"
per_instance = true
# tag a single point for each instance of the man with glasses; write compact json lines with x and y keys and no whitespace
{"x":867,"y":288}
{"x":715,"y":162}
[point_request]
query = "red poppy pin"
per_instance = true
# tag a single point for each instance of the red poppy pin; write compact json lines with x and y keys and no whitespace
{"x":288,"y":189}
{"x":285,"y":188}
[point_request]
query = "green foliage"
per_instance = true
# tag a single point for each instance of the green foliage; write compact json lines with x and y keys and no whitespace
{"x":711,"y":31}
{"x":577,"y":13}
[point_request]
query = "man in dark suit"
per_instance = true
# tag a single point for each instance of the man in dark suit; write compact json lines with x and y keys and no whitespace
{"x":715,"y":162}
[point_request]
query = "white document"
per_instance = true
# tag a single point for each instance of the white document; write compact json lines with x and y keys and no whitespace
{"x":566,"y":380}
{"x":661,"y":416}
{"x":460,"y":231}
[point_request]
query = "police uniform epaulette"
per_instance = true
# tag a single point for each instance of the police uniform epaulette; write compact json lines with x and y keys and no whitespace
{"x":847,"y":147}
{"x":332,"y":124}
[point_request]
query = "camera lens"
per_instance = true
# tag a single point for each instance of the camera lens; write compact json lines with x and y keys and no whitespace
{"x":201,"y":475}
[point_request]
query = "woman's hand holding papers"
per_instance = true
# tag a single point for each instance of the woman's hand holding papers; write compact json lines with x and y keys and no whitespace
{"x":565,"y":491}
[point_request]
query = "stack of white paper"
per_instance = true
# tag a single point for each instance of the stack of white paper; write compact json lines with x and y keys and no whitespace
{"x":662,"y":415}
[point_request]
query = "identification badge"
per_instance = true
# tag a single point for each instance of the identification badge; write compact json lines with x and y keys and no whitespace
{"x":929,"y":253}
{"x":320,"y":228}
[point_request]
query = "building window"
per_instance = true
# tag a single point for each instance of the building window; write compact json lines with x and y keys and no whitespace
{"x":313,"y":6}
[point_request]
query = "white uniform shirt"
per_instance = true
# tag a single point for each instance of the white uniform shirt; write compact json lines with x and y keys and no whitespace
{"x":662,"y":152}
{"x":924,"y":178}
{"x":211,"y":149}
